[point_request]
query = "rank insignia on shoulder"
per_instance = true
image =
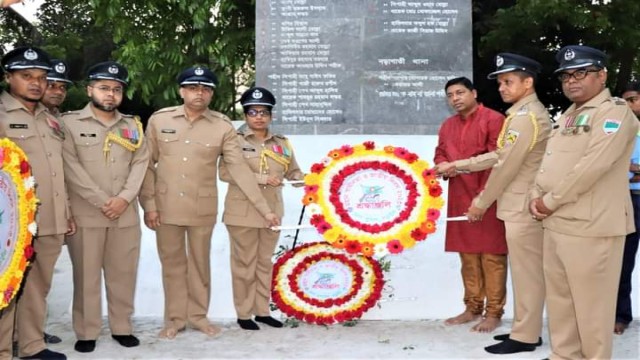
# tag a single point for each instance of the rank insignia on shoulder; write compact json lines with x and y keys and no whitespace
{"x":88,"y":135}
{"x":512,"y":137}
{"x":168,"y":131}
{"x":619,"y":101}
{"x":611,"y":126}
{"x":248,"y":149}
{"x":18,"y":126}
{"x":523,"y":110}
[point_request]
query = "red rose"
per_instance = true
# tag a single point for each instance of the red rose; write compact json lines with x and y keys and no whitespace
{"x":309,"y":318}
{"x":316,"y":219}
{"x":418,"y":235}
{"x":317,"y":168}
{"x":346,"y":150}
{"x":24,"y":167}
{"x":369,"y":145}
{"x":353,"y":247}
{"x":435,"y":191}
{"x":28,"y":252}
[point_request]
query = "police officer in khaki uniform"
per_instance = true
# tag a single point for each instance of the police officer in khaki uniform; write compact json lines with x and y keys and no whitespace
{"x":581,"y":194}
{"x":105,"y":159}
{"x":270,"y":157}
{"x":57,"y":88}
{"x":521,"y":147}
{"x":180,"y":196}
{"x":41,"y":136}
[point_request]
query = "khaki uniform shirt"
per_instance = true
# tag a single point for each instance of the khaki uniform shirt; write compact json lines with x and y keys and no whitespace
{"x":272,"y":157}
{"x":583,"y":176}
{"x":41,"y":137}
{"x":181,"y":181}
{"x":94,"y":176}
{"x":515,"y":163}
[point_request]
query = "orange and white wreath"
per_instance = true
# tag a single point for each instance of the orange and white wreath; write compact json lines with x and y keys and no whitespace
{"x":17,"y":219}
{"x":373,"y":201}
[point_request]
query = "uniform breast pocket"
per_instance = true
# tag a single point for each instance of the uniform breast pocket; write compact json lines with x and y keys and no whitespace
{"x":22,"y":136}
{"x":168,"y":143}
{"x":89,"y":147}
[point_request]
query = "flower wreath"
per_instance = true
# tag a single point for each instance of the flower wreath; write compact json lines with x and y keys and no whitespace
{"x":17,"y":218}
{"x":320,"y":284}
{"x":373,"y":201}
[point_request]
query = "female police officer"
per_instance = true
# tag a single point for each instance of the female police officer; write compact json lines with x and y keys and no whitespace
{"x":271,"y":158}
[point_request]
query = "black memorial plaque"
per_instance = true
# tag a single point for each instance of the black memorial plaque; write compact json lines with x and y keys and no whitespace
{"x":361,"y":66}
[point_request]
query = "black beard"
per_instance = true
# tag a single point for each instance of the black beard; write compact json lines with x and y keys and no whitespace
{"x":102,"y":107}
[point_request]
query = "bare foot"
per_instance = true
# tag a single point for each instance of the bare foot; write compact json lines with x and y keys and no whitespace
{"x":209,"y":329}
{"x":487,"y":325}
{"x":168,"y":333}
{"x":619,"y":328}
{"x":463,"y":318}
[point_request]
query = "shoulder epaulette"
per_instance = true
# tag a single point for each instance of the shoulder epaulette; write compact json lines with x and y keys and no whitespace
{"x":167,"y":109}
{"x":73,"y":112}
{"x":619,"y":101}
{"x":280,"y":136}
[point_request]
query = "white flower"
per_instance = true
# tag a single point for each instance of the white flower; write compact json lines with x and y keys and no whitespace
{"x":33,"y":228}
{"x":380,"y":250}
{"x":326,"y":160}
{"x":30,"y":182}
{"x":314,"y":209}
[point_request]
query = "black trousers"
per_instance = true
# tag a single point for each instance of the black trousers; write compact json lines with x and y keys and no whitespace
{"x":623,"y":308}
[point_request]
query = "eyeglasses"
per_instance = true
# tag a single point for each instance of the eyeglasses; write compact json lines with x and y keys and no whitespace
{"x":253,"y":112}
{"x":116,"y":90}
{"x":578,"y":74}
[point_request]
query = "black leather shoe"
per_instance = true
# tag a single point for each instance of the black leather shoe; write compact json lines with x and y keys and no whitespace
{"x":269,"y":321}
{"x":510,"y":347}
{"x":126,"y":340}
{"x":85,"y":346}
{"x":248,"y":324}
{"x":504,"y":337}
{"x":51,"y":339}
{"x":46,"y":354}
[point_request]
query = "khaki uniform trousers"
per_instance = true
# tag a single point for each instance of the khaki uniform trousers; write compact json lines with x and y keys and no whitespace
{"x":186,"y":274}
{"x":524,"y":240}
{"x":581,"y":276}
{"x":114,"y":251}
{"x":484,"y":276}
{"x":7,"y":317}
{"x":32,"y":307}
{"x":251,"y":269}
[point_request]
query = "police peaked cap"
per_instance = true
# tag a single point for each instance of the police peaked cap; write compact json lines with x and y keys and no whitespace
{"x":508,"y":62}
{"x":108,"y":70}
{"x":59,"y":71}
{"x":580,"y":56}
{"x":257,"y":96}
{"x":198,"y":75}
{"x":26,"y":57}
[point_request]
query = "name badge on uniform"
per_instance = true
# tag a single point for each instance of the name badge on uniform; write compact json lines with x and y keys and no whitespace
{"x":168,"y":131}
{"x":18,"y":126}
{"x":87,"y":135}
{"x":248,"y":149}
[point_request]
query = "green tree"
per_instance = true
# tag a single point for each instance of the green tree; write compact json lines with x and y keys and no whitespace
{"x":157,"y":39}
{"x":539,"y":28}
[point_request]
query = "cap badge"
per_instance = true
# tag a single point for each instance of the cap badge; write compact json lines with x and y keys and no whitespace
{"x":198,"y":71}
{"x":257,"y":94}
{"x":499,"y":61}
{"x":30,"y":54}
{"x":113,"y":69}
{"x":569,"y":55}
{"x":60,"y":68}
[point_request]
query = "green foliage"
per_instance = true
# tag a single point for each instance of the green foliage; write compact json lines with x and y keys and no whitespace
{"x":158,"y":39}
{"x":539,"y":28}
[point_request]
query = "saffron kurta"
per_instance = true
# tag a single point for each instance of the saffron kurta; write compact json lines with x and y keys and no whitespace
{"x":462,"y":138}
